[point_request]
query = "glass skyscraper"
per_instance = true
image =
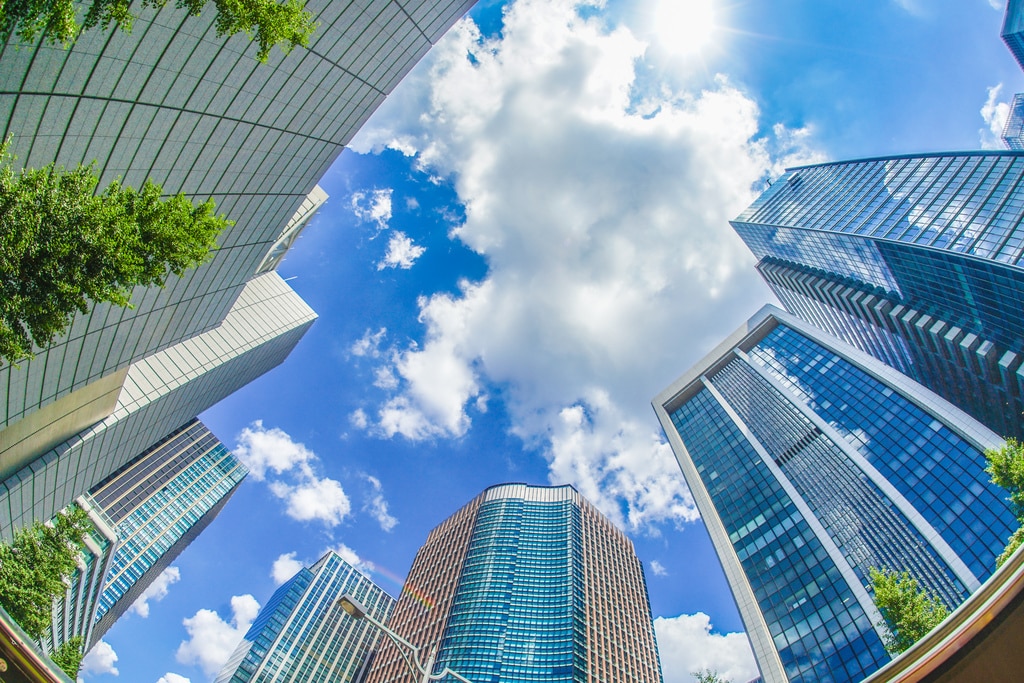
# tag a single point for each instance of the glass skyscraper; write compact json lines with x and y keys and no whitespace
{"x":160,"y":502}
{"x":812,"y":462}
{"x":917,"y":260}
{"x":302,"y":634}
{"x":526,"y":583}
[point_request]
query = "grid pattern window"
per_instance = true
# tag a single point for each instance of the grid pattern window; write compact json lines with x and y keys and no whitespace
{"x":168,"y":515}
{"x":941,"y":233}
{"x":516,"y":615}
{"x":938,"y":472}
{"x":819,"y":628}
{"x":865,"y":525}
{"x":303,"y":634}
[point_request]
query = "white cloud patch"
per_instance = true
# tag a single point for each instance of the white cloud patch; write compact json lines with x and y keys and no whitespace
{"x":994,"y":112}
{"x":314,"y":499}
{"x":173,"y":678}
{"x":377,"y":506}
{"x":686,"y":644}
{"x":602,"y":209}
{"x":373,"y":207}
{"x":402,"y":252}
{"x":157,"y":591}
{"x":261,"y":449}
{"x":658,"y":568}
{"x":358,"y":419}
{"x":369,"y":344}
{"x":100,"y":660}
{"x":307,"y":495}
{"x":212,"y":639}
{"x":285,"y":567}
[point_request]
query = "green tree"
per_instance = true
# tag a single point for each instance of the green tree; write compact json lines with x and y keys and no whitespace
{"x":707,"y":676}
{"x":909,"y":611}
{"x":266,"y":22}
{"x":1006,"y":467}
{"x":35,"y":566}
{"x":62,"y":246}
{"x":69,"y":656}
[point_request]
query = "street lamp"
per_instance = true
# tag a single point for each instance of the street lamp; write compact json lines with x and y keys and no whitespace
{"x":357,"y":611}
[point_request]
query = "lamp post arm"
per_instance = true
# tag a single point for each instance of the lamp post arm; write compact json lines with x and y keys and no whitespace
{"x":413,"y":663}
{"x":449,"y":672}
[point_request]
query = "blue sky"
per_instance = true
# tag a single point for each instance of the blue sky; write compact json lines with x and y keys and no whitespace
{"x":525,"y":244}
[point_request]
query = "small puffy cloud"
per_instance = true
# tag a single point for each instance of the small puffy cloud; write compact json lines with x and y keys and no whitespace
{"x":686,"y":644}
{"x":314,"y":499}
{"x":157,"y":591}
{"x":402,"y":253}
{"x":994,"y":112}
{"x":658,"y":568}
{"x":173,"y":678}
{"x":212,"y":639}
{"x":377,"y":506}
{"x":374,"y":207}
{"x":261,"y":449}
{"x":100,"y":660}
{"x":308,"y":496}
{"x":369,"y":344}
{"x":358,"y":419}
{"x":285,"y":567}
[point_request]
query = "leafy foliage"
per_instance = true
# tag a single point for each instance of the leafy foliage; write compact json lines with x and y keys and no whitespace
{"x":69,"y":656}
{"x":908,"y":610}
{"x":268,"y":23}
{"x":61,"y":246}
{"x":35,"y":566}
{"x":707,"y":676}
{"x":1006,"y":467}
{"x":1015,"y":542}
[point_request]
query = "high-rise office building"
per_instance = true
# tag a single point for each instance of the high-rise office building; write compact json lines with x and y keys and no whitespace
{"x":1013,"y":129}
{"x":302,"y":634}
{"x":174,"y":102}
{"x":526,"y":583}
{"x":812,"y":462}
{"x":160,"y":502}
{"x":1013,"y":29}
{"x":917,"y":260}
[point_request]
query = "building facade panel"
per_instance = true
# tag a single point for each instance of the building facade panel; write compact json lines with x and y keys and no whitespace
{"x":817,"y":462}
{"x":934,"y":244}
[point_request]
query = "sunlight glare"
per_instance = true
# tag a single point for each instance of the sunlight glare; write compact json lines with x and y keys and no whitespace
{"x":684,"y":26}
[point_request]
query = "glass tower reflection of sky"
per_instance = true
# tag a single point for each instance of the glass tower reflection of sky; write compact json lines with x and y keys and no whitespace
{"x":811,"y":463}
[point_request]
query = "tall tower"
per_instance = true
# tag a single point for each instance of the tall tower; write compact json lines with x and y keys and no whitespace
{"x":526,"y":583}
{"x":302,"y":634}
{"x":160,"y":502}
{"x":812,"y":462}
{"x":916,"y":260}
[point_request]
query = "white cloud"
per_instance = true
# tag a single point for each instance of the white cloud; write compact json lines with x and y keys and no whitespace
{"x":314,"y":499}
{"x":658,"y":568}
{"x":359,"y":419}
{"x":156,"y":591}
{"x":211,"y":639}
{"x":686,"y":644}
{"x":369,"y":343}
{"x":377,"y":506}
{"x":308,"y":496}
{"x":173,"y":678}
{"x":994,"y":113}
{"x":261,"y":449}
{"x":285,"y":567}
{"x":372,"y":208}
{"x":602,"y":208}
{"x":100,"y":660}
{"x":402,"y":253}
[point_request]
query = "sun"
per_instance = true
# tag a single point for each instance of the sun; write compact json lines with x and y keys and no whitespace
{"x":684,"y":26}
